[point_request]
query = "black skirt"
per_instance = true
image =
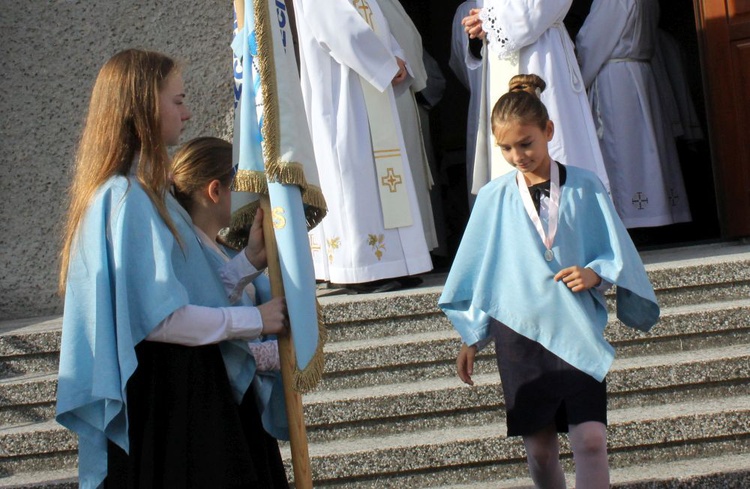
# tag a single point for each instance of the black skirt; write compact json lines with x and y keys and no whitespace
{"x":187,"y":431}
{"x":540,"y":388}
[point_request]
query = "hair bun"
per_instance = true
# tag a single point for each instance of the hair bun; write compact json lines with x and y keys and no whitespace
{"x":531,"y":83}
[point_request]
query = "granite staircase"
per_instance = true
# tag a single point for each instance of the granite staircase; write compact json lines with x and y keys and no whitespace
{"x":390,"y":412}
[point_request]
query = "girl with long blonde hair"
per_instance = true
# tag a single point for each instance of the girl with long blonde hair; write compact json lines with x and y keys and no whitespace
{"x":151,"y":377}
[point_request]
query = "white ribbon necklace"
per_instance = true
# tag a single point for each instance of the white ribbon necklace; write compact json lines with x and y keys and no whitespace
{"x":553,"y":207}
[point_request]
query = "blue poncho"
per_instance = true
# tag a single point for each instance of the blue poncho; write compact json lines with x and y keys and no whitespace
{"x":500,"y":272}
{"x":127,"y":273}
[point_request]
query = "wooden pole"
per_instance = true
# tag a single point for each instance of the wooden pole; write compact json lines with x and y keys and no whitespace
{"x":294,"y":412}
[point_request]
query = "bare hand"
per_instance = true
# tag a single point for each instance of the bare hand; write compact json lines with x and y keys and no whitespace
{"x":274,"y":316}
{"x":402,"y":73}
{"x":255,"y":251}
{"x":578,"y":278}
{"x":473,"y":24}
{"x":465,"y":363}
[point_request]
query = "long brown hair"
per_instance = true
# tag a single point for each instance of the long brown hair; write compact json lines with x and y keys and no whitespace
{"x":521,"y":103}
{"x":197,"y":163}
{"x":123,"y":122}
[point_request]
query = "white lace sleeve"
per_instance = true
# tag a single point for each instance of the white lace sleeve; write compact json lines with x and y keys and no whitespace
{"x":499,"y":42}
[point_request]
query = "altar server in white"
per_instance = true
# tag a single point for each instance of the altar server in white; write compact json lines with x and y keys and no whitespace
{"x":616,"y":44}
{"x":349,"y":61}
{"x":528,"y":36}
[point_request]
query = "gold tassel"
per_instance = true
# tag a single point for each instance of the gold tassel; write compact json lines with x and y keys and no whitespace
{"x":315,"y":206}
{"x":250,"y":181}
{"x":307,"y":379}
{"x":242,"y":220}
{"x":267,"y":71}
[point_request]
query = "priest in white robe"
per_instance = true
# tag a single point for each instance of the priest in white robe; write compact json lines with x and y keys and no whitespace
{"x":616,"y":44}
{"x":528,"y":36}
{"x":373,"y":229}
{"x":468,"y":69}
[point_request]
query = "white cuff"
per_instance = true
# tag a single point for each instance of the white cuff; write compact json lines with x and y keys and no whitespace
{"x":236,"y":274}
{"x":198,"y":325}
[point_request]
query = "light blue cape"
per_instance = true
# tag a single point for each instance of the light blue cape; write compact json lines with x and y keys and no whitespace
{"x":127,"y":273}
{"x":500,"y":272}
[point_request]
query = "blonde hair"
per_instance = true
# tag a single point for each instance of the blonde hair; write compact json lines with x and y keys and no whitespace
{"x":123,"y":122}
{"x":521,"y":103}
{"x":199,"y":162}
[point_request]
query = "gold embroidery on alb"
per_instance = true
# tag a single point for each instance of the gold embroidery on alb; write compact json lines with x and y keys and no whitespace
{"x":314,"y":246}
{"x":377,"y":243}
{"x":333,"y":244}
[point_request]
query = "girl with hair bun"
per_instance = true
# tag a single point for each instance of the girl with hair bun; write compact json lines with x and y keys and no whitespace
{"x":542,"y":245}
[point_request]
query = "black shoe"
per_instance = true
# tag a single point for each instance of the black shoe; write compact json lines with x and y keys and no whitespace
{"x":409,"y":282}
{"x":379,"y":286}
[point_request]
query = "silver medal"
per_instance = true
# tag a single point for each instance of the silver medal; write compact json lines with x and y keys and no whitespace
{"x":549,"y":255}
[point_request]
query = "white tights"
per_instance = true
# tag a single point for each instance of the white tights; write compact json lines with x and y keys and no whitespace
{"x":588,"y":441}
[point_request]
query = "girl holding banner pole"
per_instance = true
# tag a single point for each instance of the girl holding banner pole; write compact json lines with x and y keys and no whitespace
{"x":149,"y":378}
{"x":202,"y":176}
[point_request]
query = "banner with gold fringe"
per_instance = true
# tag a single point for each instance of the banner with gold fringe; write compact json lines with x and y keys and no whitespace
{"x":275,"y":160}
{"x":274,"y":157}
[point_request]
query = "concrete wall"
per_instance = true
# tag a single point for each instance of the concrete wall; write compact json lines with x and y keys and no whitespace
{"x":50,"y":53}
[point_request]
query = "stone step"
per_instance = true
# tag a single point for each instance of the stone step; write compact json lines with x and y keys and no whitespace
{"x":34,"y":349}
{"x":32,"y":345}
{"x":42,"y":479}
{"x":372,"y":410}
{"x":37,"y":446}
{"x":419,"y":356}
{"x":636,"y":436}
{"x":32,"y":335}
{"x":422,"y":356}
{"x":27,"y":398}
{"x":373,"y":316}
{"x":444,"y":402}
{"x":682,"y":272}
{"x":29,"y":346}
{"x":726,"y":472}
{"x":398,"y":342}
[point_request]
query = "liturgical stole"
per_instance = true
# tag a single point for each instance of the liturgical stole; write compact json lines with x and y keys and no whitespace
{"x":386,"y":147}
